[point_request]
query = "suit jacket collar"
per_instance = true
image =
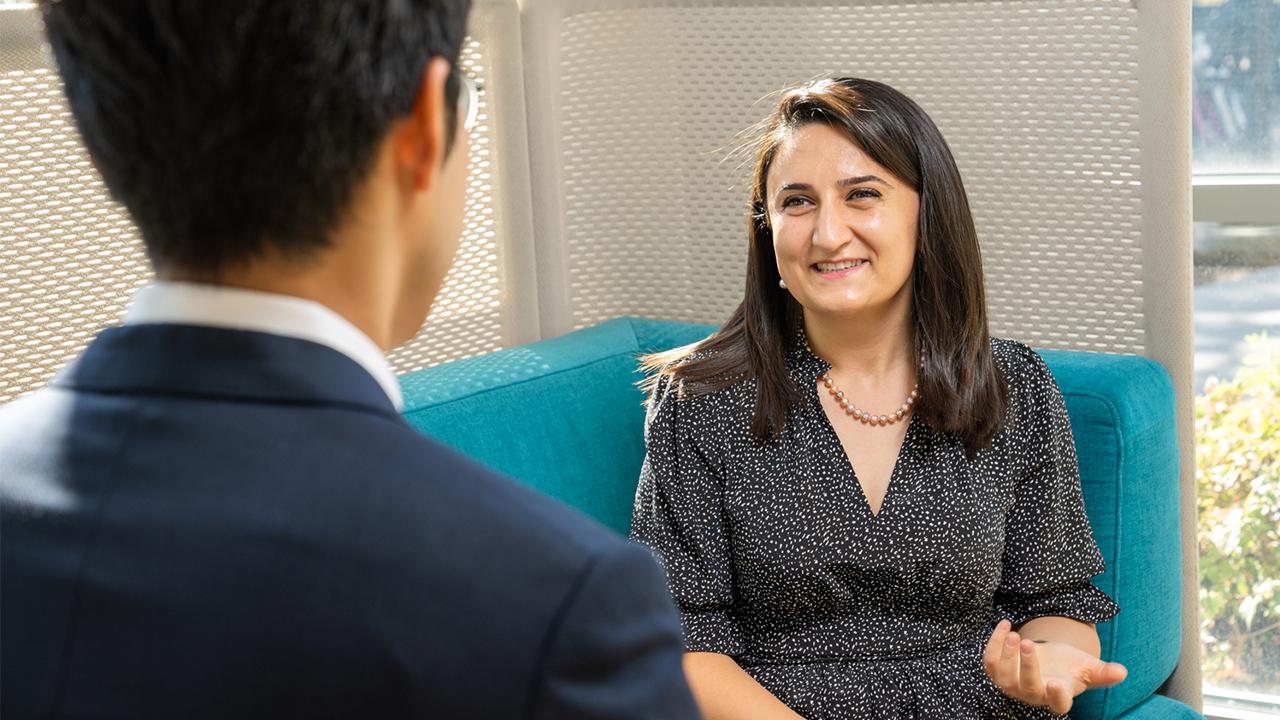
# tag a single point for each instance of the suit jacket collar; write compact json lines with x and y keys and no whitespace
{"x":198,"y":361}
{"x":183,"y":303}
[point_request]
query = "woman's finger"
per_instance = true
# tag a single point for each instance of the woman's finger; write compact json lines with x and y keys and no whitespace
{"x":995,"y":644}
{"x":1030,"y":684}
{"x":1007,"y":668}
{"x":1107,"y":674}
{"x":1059,"y":697}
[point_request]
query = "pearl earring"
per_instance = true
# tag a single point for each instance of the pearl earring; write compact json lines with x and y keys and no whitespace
{"x":782,"y":283}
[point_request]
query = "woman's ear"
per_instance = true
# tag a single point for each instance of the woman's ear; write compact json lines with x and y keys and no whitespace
{"x":420,"y":140}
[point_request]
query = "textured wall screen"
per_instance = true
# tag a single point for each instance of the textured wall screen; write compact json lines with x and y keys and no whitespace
{"x":1037,"y":97}
{"x":1038,"y":100}
{"x":70,"y":258}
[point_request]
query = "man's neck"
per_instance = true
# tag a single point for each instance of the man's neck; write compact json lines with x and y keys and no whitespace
{"x":355,"y":288}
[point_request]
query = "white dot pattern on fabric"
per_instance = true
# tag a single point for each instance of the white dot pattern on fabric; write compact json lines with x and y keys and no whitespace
{"x":774,"y":557}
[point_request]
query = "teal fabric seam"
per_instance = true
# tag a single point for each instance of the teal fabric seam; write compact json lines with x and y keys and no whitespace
{"x":1121,"y":443}
{"x":516,"y":383}
{"x":585,"y":364}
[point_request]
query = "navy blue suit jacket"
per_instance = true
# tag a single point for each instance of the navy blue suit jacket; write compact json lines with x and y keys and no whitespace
{"x":200,"y":522}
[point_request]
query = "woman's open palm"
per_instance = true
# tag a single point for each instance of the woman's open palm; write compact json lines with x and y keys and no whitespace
{"x":1046,"y":674}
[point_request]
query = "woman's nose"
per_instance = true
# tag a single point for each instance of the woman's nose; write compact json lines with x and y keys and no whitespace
{"x":832,"y":229}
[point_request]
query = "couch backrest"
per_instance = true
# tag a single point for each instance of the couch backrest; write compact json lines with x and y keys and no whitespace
{"x":566,"y":417}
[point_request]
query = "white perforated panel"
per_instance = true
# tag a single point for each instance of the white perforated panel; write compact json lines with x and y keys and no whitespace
{"x":70,"y":258}
{"x":1038,"y":99}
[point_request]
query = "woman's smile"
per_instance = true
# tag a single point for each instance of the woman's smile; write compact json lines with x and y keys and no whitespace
{"x":839,"y":269}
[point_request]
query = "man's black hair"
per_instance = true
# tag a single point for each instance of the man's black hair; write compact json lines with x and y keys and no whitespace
{"x":230,"y":126}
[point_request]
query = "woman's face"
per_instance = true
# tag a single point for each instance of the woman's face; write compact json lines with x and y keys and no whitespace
{"x":844,"y":228}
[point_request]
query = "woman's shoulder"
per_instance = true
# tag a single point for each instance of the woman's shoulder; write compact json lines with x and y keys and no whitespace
{"x":1020,"y":364}
{"x":675,"y":385}
{"x":1012,"y":353}
{"x":679,"y":397}
{"x":1032,"y":387}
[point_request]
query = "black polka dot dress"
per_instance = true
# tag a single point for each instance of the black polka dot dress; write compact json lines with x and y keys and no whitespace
{"x":774,"y":557}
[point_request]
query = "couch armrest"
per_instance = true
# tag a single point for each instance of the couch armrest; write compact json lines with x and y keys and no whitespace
{"x":1123,"y":420}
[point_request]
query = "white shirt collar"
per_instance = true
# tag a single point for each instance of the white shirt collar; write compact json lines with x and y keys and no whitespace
{"x":238,"y":309}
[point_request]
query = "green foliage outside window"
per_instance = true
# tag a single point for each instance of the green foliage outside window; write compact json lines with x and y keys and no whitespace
{"x":1238,"y":475}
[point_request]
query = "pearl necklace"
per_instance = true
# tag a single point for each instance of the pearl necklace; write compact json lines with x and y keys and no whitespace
{"x":863,"y":416}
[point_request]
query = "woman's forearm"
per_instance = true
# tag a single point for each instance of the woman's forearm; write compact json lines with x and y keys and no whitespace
{"x":724,"y":691}
{"x":1080,"y":635}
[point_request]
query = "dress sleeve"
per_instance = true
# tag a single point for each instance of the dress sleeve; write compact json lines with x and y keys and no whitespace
{"x":1050,"y":553}
{"x":678,"y":514}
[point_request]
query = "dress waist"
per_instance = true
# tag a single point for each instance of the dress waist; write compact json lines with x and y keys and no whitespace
{"x":892,"y":651}
{"x":947,"y":683}
{"x":923,"y":656}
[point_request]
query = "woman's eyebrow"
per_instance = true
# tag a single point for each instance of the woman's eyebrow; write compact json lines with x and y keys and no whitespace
{"x":858,"y":180}
{"x":862,"y":179}
{"x":793,"y":186}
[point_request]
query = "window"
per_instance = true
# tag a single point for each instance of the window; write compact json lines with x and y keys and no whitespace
{"x":1236,"y":163}
{"x":1235,"y":56}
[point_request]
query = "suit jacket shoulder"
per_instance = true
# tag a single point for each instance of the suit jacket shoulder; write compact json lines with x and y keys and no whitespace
{"x":203,"y":522}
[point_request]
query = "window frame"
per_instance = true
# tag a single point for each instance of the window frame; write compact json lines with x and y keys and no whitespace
{"x":1248,"y":200}
{"x":1244,"y":199}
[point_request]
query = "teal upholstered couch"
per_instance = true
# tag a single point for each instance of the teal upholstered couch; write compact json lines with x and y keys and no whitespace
{"x":565,"y":416}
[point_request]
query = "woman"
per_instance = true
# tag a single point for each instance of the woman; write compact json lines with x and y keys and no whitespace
{"x":867,"y":507}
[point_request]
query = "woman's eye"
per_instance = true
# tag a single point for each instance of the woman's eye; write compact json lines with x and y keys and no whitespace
{"x":864,"y":194}
{"x":794,"y":201}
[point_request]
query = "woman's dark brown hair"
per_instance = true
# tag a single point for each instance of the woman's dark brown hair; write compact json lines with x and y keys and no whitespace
{"x":961,"y":389}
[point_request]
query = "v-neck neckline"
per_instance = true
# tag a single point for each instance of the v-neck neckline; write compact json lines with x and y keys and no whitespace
{"x":807,"y":368}
{"x":895,"y":473}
